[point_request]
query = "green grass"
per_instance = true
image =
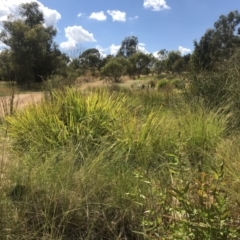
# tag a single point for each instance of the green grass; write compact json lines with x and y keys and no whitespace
{"x":118,"y":165}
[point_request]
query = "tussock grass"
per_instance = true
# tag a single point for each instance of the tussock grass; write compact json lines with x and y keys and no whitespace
{"x":113,"y":165}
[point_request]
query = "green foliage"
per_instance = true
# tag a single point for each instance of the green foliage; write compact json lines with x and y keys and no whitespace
{"x":33,"y":55}
{"x":159,"y":66}
{"x":219,"y":88}
{"x":200,"y":132}
{"x":128,"y":47}
{"x":140,"y":61}
{"x":59,"y":82}
{"x":173,"y":61}
{"x":127,"y":164}
{"x":163,"y":83}
{"x":114,"y":69}
{"x":202,"y":210}
{"x":32,"y":14}
{"x":102,"y":164}
{"x":178,"y":83}
{"x":6,"y":66}
{"x":105,"y":60}
{"x":178,"y":66}
{"x":163,"y":53}
{"x":217,"y":45}
{"x":90,"y":59}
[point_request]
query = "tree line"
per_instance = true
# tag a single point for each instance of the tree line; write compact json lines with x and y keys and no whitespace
{"x":32,"y":55}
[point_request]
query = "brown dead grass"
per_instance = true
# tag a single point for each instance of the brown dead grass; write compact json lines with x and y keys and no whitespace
{"x":83,"y":83}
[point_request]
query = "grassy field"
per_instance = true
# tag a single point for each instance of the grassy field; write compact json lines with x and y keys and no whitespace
{"x":116,"y":163}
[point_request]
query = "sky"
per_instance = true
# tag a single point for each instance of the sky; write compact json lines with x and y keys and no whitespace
{"x":103,"y":24}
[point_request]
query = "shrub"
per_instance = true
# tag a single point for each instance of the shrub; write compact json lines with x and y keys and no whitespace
{"x":103,"y":164}
{"x":178,"y":84}
{"x":60,"y":82}
{"x":163,"y":83}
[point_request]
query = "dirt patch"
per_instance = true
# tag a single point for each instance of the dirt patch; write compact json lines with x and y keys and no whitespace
{"x":19,"y":102}
{"x":23,"y":100}
{"x":99,"y":83}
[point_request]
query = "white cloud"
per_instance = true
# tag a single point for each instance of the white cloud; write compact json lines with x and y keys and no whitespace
{"x":75,"y":35}
{"x":79,"y":15}
{"x":8,"y":7}
{"x":51,"y":16}
{"x":117,"y":15}
{"x":183,"y":50}
{"x":114,"y":49}
{"x":100,"y":16}
{"x":141,"y":48}
{"x":3,"y":46}
{"x":102,"y":50}
{"x":156,"y":5}
{"x":155,"y":54}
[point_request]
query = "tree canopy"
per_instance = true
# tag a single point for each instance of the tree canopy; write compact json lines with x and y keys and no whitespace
{"x":140,"y":61}
{"x":219,"y":43}
{"x":32,"y":51}
{"x":114,"y":69}
{"x":91,"y":59}
{"x":128,"y":47}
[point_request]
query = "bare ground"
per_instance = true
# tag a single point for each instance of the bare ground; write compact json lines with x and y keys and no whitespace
{"x":22,"y":100}
{"x":19,"y":101}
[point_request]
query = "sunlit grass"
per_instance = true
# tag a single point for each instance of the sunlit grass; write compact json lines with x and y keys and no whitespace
{"x":105,"y":165}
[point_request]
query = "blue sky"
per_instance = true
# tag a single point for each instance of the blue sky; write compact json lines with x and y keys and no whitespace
{"x":158,"y":24}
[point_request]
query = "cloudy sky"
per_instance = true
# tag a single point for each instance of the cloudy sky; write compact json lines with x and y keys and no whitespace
{"x":103,"y":24}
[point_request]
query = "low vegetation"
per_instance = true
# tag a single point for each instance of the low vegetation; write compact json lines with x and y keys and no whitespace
{"x":102,"y":165}
{"x":156,"y":159}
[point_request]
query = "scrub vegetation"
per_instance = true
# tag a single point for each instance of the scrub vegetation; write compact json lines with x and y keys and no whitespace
{"x":151,"y":154}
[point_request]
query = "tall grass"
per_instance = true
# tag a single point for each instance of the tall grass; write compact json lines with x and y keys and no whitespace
{"x":101,"y":166}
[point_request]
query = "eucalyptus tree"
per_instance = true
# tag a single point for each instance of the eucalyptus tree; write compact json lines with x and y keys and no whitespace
{"x":6,"y":67}
{"x":140,"y":62}
{"x":172,"y":58}
{"x":114,"y":69}
{"x":91,"y":59}
{"x":34,"y":55}
{"x":128,"y":47}
{"x":218,"y":44}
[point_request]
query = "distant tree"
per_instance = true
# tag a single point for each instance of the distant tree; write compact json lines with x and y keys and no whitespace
{"x":128,"y":47}
{"x":114,"y":69}
{"x":159,"y":66}
{"x":91,"y":59}
{"x":179,"y":65}
{"x":105,"y":60}
{"x":172,"y":57}
{"x":6,"y":66}
{"x":218,"y":44}
{"x":34,"y":55}
{"x":75,"y":64}
{"x":140,"y":62}
{"x":187,"y":58}
{"x":150,"y":67}
{"x":201,"y":57}
{"x":162,"y":54}
{"x":31,"y":13}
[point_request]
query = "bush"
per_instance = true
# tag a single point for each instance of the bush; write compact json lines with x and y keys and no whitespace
{"x":178,"y":84}
{"x":219,"y":89}
{"x":162,"y":83}
{"x":216,"y":87}
{"x":105,"y":164}
{"x":165,"y":85}
{"x":60,"y":82}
